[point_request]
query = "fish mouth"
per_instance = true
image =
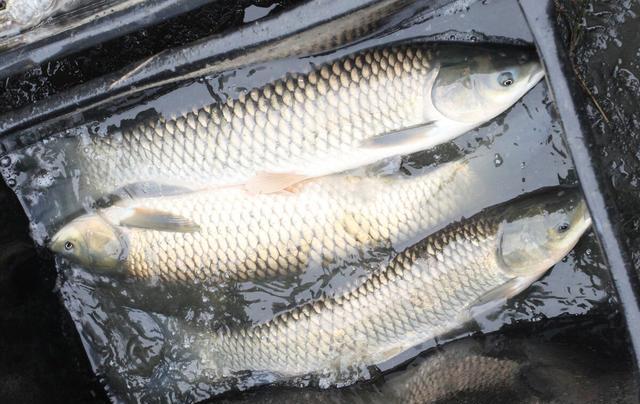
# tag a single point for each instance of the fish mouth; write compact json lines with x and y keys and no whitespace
{"x":537,"y":74}
{"x":583,"y":217}
{"x":55,"y":243}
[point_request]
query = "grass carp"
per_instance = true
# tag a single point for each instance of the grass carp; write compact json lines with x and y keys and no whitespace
{"x":425,"y":291}
{"x":229,"y":234}
{"x":354,"y":111}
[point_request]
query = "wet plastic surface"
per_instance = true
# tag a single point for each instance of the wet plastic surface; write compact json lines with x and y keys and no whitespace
{"x":589,"y":293}
{"x":72,"y":25}
{"x":47,"y":79}
{"x":314,"y":27}
{"x":42,"y":358}
{"x":598,"y":143}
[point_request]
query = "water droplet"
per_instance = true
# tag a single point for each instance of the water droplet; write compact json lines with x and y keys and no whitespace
{"x":11,"y":182}
{"x":497,"y":160}
{"x":5,"y":161}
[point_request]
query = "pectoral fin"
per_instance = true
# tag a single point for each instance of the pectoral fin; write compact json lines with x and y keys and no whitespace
{"x":405,"y":138}
{"x":158,"y":220}
{"x":146,"y":190}
{"x":268,"y":183}
{"x":499,"y":295}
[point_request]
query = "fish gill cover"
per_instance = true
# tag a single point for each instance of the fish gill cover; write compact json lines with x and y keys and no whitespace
{"x":171,"y":289}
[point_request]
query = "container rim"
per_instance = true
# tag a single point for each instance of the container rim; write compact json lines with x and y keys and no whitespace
{"x":571,"y":106}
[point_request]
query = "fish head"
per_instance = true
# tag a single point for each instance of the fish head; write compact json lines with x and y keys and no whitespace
{"x":91,"y":242}
{"x":539,"y":230}
{"x":475,"y":83}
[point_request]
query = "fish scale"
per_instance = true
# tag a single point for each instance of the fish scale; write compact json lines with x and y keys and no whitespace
{"x":413,"y":297}
{"x":278,"y":126}
{"x":327,"y":221}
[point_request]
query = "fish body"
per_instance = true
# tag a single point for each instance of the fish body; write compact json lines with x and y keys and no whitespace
{"x":425,"y":291}
{"x":354,"y":111}
{"x":229,"y":234}
{"x":473,"y":372}
{"x":441,"y":377}
{"x":445,"y":375}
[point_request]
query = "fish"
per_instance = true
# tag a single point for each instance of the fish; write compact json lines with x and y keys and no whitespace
{"x":496,"y":368}
{"x":230,"y":235}
{"x":455,"y":372}
{"x":429,"y":289}
{"x":460,"y":368}
{"x":351,"y":112}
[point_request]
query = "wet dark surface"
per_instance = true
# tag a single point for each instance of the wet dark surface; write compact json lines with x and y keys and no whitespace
{"x":604,"y":43}
{"x":58,"y":75}
{"x":42,"y":360}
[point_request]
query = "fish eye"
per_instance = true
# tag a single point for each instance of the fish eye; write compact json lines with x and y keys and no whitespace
{"x":68,"y":246}
{"x":506,"y":79}
{"x":563,"y":227}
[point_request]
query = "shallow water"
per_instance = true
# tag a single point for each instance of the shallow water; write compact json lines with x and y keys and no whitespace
{"x":139,"y":336}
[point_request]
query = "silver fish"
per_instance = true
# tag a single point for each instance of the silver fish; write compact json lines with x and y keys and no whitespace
{"x":425,"y":291}
{"x":230,"y":234}
{"x":348,"y":113}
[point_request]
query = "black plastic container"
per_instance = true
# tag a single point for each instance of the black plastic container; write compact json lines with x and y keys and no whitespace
{"x":269,"y":40}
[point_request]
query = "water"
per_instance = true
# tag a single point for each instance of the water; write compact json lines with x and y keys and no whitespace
{"x":139,"y":336}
